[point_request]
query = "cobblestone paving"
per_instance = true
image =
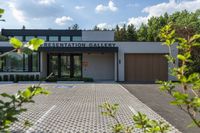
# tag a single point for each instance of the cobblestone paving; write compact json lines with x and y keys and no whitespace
{"x":74,"y":108}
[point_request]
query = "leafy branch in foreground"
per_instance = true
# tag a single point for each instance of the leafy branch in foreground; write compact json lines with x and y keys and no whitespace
{"x":11,"y":106}
{"x":140,"y":121}
{"x":186,"y":91}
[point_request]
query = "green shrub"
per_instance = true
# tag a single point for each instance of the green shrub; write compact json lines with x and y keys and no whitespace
{"x":31,"y":77}
{"x":26,"y":78}
{"x":5,"y":77}
{"x":86,"y":79}
{"x":16,"y":78}
{"x":12,"y":78}
{"x":37,"y":77}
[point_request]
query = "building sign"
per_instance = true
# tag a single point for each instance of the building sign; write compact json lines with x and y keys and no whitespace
{"x":79,"y":44}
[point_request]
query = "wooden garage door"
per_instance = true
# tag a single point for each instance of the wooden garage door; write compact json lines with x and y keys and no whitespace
{"x":145,"y":67}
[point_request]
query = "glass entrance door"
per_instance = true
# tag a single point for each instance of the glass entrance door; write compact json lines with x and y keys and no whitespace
{"x":65,"y":65}
{"x":53,"y":65}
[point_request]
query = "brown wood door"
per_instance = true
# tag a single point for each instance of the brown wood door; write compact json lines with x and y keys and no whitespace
{"x":145,"y":67}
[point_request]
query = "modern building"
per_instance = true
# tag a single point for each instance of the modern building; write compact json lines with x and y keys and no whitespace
{"x":94,"y":54}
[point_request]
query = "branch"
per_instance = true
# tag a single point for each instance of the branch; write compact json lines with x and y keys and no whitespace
{"x":6,"y":53}
{"x":192,"y":117}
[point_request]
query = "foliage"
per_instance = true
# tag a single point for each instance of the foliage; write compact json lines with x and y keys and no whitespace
{"x":1,"y":13}
{"x":140,"y":121}
{"x":186,"y":97}
{"x":12,"y":105}
{"x":3,"y":38}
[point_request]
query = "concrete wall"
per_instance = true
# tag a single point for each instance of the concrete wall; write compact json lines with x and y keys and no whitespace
{"x":98,"y":66}
{"x":97,"y":35}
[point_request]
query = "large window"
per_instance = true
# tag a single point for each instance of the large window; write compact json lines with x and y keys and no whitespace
{"x":35,"y":62}
{"x":65,"y":38}
{"x":42,"y":37}
{"x":15,"y":62}
{"x":53,"y":38}
{"x":19,"y":37}
{"x":76,"y":38}
{"x":28,"y":38}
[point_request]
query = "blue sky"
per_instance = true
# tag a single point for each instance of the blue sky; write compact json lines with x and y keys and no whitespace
{"x":60,"y":14}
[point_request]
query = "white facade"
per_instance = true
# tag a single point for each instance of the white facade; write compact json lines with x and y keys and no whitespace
{"x":101,"y":65}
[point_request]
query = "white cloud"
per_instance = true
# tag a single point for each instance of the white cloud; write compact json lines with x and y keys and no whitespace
{"x":79,"y":7}
{"x":170,"y":7}
{"x":104,"y":26}
{"x":46,"y":2}
{"x":63,"y":20}
{"x":17,"y":13}
{"x":137,"y":21}
{"x":110,"y":7}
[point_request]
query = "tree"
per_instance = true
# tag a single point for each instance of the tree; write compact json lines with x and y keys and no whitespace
{"x":3,"y":38}
{"x":187,"y":98}
{"x":123,"y":33}
{"x":117,"y":34}
{"x":96,"y":28}
{"x":75,"y":27}
{"x":131,"y":33}
{"x":142,"y":33}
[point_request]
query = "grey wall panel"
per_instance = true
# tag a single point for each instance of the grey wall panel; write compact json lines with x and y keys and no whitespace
{"x":98,"y":66}
{"x":97,"y":35}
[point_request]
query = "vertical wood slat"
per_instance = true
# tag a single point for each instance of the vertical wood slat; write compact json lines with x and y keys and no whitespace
{"x":145,"y":67}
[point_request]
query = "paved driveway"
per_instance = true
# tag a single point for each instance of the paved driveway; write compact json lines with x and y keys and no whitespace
{"x":74,"y":108}
{"x":159,"y":102}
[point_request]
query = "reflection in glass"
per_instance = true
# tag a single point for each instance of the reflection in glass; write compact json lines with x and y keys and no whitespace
{"x":13,"y":62}
{"x":53,"y":38}
{"x":65,"y":66}
{"x":54,"y":65}
{"x":77,"y":66}
{"x":76,"y":38}
{"x":35,"y":62}
{"x":65,"y":38}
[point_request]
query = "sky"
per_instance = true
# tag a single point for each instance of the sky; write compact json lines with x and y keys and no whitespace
{"x":60,"y":14}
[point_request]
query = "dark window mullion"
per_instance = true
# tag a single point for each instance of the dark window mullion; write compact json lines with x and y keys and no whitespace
{"x":30,"y":63}
{"x":59,"y":65}
{"x":23,"y":62}
{"x":71,"y":66}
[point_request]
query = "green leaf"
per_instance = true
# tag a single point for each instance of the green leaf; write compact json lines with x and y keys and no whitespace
{"x":35,"y":43}
{"x":179,"y":95}
{"x":195,"y":37}
{"x":26,"y":50}
{"x":181,"y":57}
{"x":1,"y":11}
{"x":196,"y":44}
{"x":16,"y":43}
{"x":6,"y":95}
{"x":26,"y":93}
{"x":7,"y":122}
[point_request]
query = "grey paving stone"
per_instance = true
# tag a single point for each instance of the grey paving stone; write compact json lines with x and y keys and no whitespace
{"x":74,"y":108}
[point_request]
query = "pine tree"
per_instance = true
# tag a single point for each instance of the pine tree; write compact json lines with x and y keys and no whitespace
{"x":142,"y":33}
{"x":131,"y":33}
